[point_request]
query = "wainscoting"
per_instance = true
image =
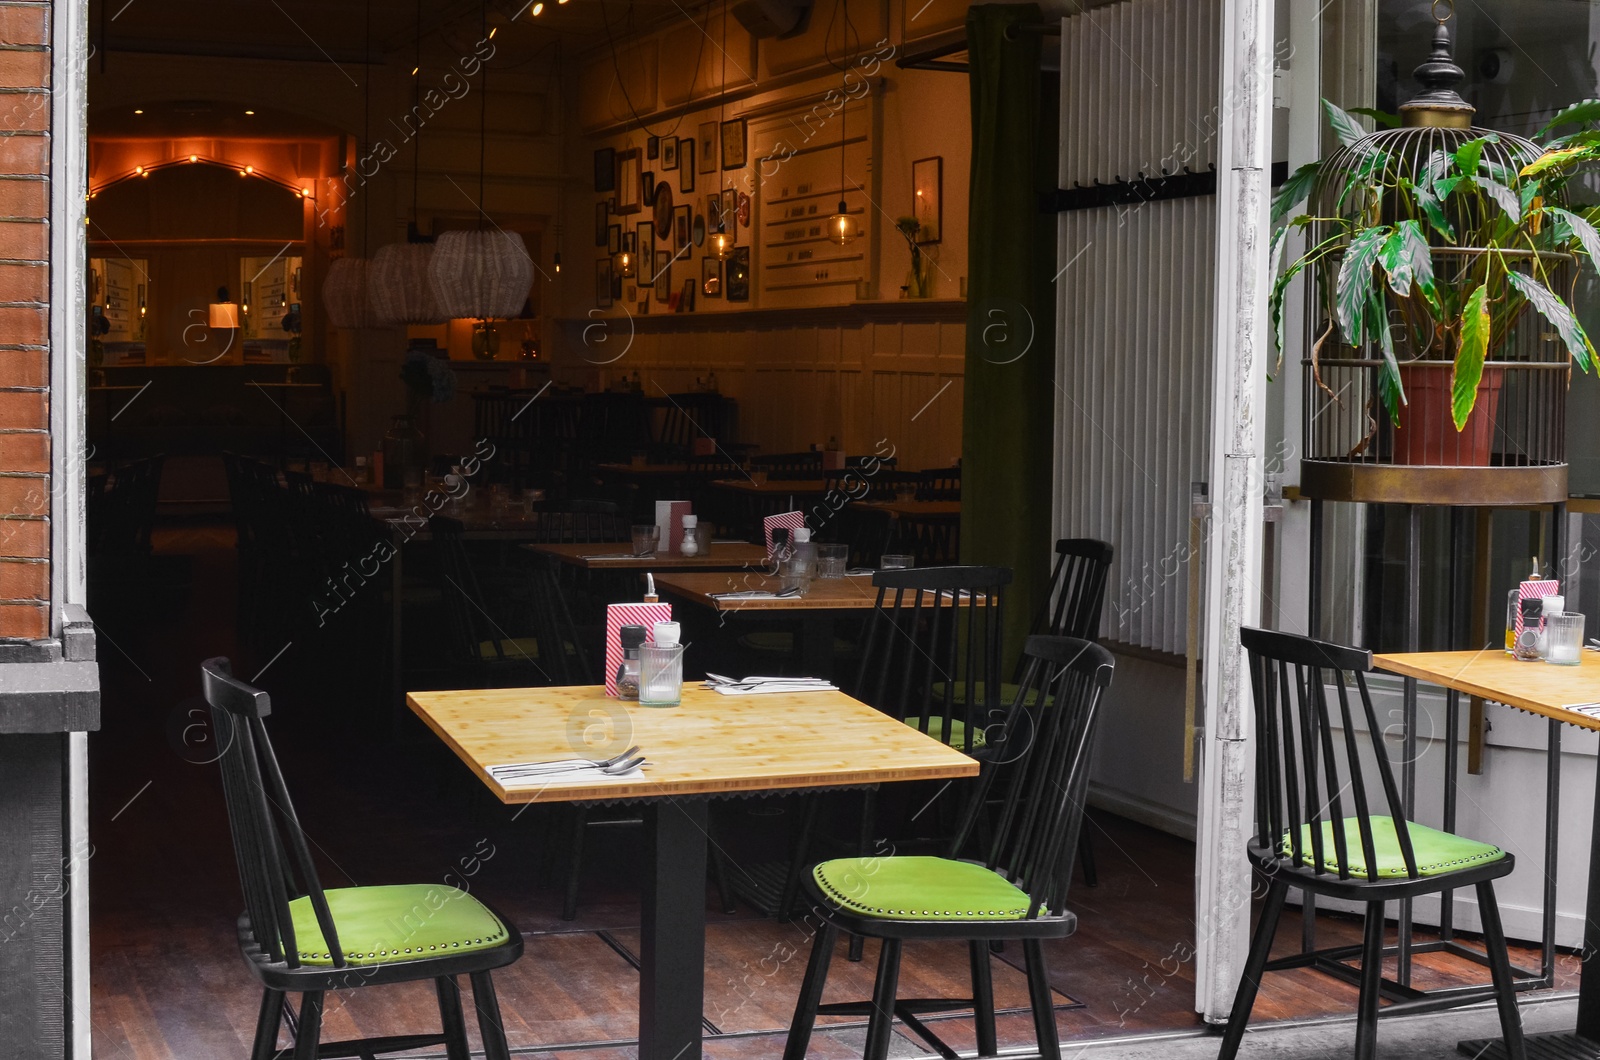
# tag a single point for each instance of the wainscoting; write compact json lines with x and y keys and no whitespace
{"x":872,"y":374}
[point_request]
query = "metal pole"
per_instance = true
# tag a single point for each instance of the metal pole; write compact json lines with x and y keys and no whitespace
{"x":1240,"y":362}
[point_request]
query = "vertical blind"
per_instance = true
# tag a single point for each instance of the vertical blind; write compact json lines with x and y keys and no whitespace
{"x":1139,"y":93}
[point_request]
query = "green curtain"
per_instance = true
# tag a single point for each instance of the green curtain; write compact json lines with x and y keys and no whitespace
{"x":1008,"y":427}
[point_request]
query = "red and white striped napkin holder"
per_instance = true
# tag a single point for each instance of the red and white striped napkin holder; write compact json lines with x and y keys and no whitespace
{"x":669,"y":517}
{"x":619,"y":615}
{"x":790,"y":521}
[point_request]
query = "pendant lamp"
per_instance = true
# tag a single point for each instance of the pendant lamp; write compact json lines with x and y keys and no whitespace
{"x":481,"y":274}
{"x":344,"y":294}
{"x":842,"y":228}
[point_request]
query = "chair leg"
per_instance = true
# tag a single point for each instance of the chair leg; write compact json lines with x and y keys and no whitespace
{"x":1371,"y":984}
{"x":266,"y":1045}
{"x":1255,"y":967}
{"x":983,"y":998}
{"x":805,"y":1009}
{"x":1505,"y":991}
{"x":869,"y":817}
{"x":881,"y":1023}
{"x":569,"y":901}
{"x":455,"y":1028}
{"x":719,"y":875}
{"x":310,"y":1031}
{"x":1091,"y":877}
{"x":490,"y":1026}
{"x":1043,"y":1004}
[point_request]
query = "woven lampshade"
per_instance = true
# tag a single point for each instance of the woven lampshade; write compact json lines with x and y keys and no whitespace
{"x":398,"y":288}
{"x":481,"y":274}
{"x":344,"y":293}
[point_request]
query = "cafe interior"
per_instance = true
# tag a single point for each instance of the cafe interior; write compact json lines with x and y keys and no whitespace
{"x":662,"y":528}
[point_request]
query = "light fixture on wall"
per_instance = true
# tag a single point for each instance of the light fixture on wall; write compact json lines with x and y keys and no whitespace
{"x":481,"y":274}
{"x":224,"y":312}
{"x":398,"y":284}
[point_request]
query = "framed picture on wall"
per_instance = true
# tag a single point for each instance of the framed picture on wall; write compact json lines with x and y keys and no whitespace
{"x":686,"y":298}
{"x":663,"y":276}
{"x":730,"y":210}
{"x":630,"y":197}
{"x":709,"y":149}
{"x":733,"y":143}
{"x":630,"y":243}
{"x":737,"y":281}
{"x":602,"y":283}
{"x":686,"y":166}
{"x":682,"y":227}
{"x":613,"y":239}
{"x":647,"y":187}
{"x":714,"y":219}
{"x":652,"y":147}
{"x":602,"y":222}
{"x":605,"y":169}
{"x":927,"y":198}
{"x":711,"y":277}
{"x":669,"y":153}
{"x":645,"y":233}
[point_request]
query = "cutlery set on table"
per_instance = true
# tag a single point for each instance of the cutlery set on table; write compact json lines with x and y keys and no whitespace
{"x":624,"y":766}
{"x":755,"y":686}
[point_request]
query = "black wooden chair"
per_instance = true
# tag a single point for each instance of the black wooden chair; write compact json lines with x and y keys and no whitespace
{"x":1017,"y":889}
{"x":297,"y":937}
{"x":940,"y":484}
{"x":933,"y":630}
{"x":1330,"y":831}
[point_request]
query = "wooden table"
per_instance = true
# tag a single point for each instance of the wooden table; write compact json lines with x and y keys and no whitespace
{"x":772,"y":487}
{"x":722,"y":556}
{"x":1550,"y":692}
{"x":711,"y":746}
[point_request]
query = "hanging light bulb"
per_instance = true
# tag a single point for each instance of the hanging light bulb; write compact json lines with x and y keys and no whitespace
{"x":841,"y":229}
{"x":558,"y":261}
{"x":721,"y":246}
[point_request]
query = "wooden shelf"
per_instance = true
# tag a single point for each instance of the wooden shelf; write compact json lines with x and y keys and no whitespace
{"x":882,"y":311}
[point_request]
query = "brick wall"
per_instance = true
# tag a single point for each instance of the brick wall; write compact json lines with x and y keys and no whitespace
{"x":24,"y":320}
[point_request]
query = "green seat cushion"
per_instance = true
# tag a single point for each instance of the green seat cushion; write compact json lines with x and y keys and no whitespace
{"x":958,"y":732}
{"x":1436,"y":852}
{"x":920,"y":888}
{"x":381,"y":925}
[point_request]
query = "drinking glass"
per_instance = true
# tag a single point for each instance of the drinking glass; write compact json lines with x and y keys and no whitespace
{"x":1563,"y":638}
{"x":832,"y":560}
{"x":645,"y":539}
{"x":897,"y":563}
{"x":702,"y":538}
{"x":795,"y":574}
{"x":660,"y":676}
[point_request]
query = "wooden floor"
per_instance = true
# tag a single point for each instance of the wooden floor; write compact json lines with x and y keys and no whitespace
{"x":169,"y":983}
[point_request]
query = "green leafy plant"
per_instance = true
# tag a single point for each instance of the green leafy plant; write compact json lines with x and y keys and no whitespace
{"x":1438,"y":258}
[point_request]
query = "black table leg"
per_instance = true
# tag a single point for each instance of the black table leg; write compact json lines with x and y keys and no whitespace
{"x":672,"y":950}
{"x":1585,"y":1044}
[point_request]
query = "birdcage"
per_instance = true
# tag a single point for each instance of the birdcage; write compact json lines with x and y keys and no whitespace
{"x":1361,"y":441}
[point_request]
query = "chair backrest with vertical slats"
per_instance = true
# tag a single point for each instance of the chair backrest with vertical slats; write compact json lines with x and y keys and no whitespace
{"x":1077,"y":593}
{"x":932,"y":651}
{"x":275,"y":865}
{"x":1036,"y":767}
{"x":1309,"y":764}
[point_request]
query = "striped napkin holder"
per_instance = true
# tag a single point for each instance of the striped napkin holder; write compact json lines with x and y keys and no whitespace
{"x":619,"y":615}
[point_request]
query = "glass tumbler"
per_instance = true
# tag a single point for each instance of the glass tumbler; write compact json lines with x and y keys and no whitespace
{"x":897,"y":563}
{"x":660,"y":676}
{"x":832,"y":560}
{"x":1563,"y":638}
{"x":645,"y":539}
{"x":795,"y":574}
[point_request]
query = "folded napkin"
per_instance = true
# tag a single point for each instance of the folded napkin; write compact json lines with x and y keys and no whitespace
{"x":759,"y":686}
{"x":557,"y":774}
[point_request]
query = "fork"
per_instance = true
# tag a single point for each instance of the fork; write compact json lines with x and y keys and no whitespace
{"x":582,"y":763}
{"x":556,"y":769}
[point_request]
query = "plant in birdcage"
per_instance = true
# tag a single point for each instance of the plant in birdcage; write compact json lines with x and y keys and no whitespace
{"x":1437,"y":249}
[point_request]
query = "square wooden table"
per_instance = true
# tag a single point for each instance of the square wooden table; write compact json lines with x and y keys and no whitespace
{"x":722,"y":556}
{"x":815,"y":612}
{"x":1551,"y":692}
{"x":708,"y":747}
